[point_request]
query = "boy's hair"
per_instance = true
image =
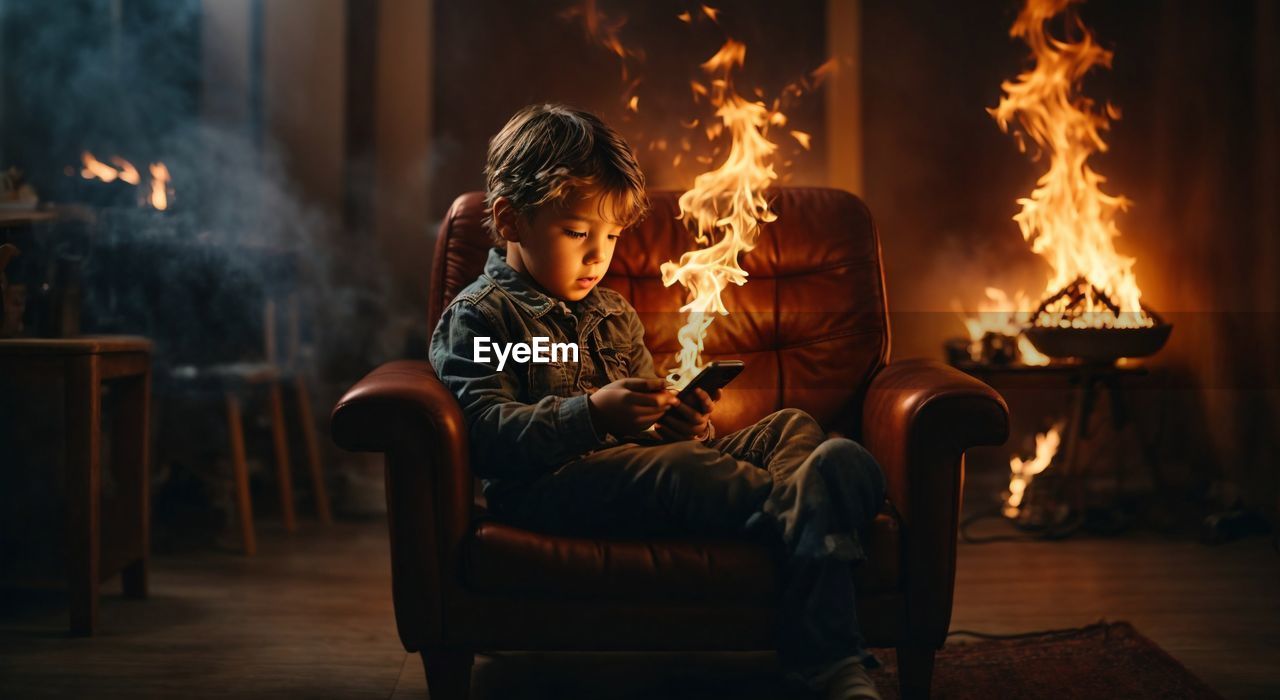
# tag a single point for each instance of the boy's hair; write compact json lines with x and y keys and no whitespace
{"x":548,"y":152}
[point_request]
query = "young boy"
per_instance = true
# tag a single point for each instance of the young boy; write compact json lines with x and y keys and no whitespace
{"x":563,"y":445}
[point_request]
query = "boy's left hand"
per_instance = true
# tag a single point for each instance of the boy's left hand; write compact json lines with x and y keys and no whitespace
{"x":686,"y":421}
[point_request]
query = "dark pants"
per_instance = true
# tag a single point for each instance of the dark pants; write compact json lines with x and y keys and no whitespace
{"x":780,"y":480}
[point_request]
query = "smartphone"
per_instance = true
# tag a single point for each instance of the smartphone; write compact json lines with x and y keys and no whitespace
{"x":713,"y":376}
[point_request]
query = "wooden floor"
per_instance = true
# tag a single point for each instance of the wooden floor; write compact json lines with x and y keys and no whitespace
{"x":1216,"y":609}
{"x":311,"y":616}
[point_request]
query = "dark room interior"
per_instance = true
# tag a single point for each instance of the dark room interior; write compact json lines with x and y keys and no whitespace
{"x":1013,"y":263}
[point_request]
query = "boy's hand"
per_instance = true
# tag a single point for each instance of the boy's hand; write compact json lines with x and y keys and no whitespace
{"x":629,"y":406}
{"x":687,"y":421}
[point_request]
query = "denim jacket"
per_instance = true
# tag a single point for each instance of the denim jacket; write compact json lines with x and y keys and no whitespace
{"x":529,"y":418}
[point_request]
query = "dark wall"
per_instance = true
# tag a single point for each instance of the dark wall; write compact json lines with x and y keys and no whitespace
{"x":493,"y":57}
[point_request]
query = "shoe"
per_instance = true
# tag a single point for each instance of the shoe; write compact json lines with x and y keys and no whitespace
{"x":846,"y":679}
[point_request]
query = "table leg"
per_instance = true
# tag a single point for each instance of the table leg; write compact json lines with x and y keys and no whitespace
{"x":130,"y":441}
{"x":84,"y":489}
{"x":241,"y":472}
{"x":313,"y":451}
{"x":284,"y":472}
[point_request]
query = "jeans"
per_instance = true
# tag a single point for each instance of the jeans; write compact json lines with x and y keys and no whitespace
{"x":780,"y":480}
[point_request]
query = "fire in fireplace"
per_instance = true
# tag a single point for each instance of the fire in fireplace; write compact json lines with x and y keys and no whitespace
{"x":158,"y":192}
{"x":1091,"y":312}
{"x":1091,"y":308}
{"x":1068,"y":219}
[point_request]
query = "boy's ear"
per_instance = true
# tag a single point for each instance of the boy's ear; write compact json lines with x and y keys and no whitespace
{"x":506,"y":219}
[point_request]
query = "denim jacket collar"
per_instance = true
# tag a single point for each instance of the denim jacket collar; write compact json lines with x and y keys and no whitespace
{"x":535,"y":301}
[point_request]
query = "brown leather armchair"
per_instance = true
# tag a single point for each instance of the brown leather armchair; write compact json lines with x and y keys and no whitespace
{"x":811,"y":325}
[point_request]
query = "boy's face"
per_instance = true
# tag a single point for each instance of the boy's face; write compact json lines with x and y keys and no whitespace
{"x":565,"y":249}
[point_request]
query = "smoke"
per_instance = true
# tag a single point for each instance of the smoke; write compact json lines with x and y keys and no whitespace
{"x":128,"y":78}
{"x":82,"y":74}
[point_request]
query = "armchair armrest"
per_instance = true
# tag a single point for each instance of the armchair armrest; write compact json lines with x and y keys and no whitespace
{"x":403,"y":408}
{"x":919,"y":417}
{"x":918,"y":409}
{"x":404,"y":411}
{"x":371,"y":415}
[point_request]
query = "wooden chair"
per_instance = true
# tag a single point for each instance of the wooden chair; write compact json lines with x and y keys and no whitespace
{"x":234,"y":384}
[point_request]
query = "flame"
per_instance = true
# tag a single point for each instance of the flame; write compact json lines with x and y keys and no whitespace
{"x":128,"y":173}
{"x":1022,"y":472}
{"x":999,"y":314}
{"x":728,"y":200}
{"x":1067,"y":218}
{"x":1029,"y":354}
{"x":159,"y":186}
{"x":726,"y":205}
{"x":94,"y":168}
{"x":603,"y":30}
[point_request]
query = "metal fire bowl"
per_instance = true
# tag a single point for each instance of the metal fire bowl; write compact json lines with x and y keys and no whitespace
{"x":1100,"y":344}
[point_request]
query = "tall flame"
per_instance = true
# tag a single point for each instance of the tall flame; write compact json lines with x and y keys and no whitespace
{"x":1068,"y":219}
{"x":729,"y":200}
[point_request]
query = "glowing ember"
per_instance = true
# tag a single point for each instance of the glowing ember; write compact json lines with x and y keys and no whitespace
{"x":1067,"y":218}
{"x":1022,"y":472}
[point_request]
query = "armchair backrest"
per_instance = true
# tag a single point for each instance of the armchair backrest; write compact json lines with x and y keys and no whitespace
{"x":810,"y":323}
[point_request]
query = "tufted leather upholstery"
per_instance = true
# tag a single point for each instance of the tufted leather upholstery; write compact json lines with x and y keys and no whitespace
{"x":811,"y":324}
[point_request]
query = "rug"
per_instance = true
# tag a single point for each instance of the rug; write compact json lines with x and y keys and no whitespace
{"x":1103,"y":660}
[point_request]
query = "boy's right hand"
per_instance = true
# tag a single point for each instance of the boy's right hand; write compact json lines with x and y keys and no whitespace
{"x":629,"y":406}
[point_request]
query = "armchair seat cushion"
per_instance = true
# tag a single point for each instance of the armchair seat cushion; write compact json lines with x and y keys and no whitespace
{"x":503,"y":559}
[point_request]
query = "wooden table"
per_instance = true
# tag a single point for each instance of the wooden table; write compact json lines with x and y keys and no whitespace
{"x":84,"y":364}
{"x":24,"y":217}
